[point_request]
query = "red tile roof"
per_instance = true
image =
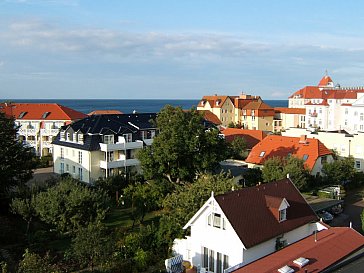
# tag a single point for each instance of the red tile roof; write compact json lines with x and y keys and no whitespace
{"x":287,"y":110}
{"x":282,"y":146}
{"x":257,"y":105}
{"x":325,"y":81}
{"x":332,"y":245}
{"x":215,"y":101}
{"x":36,"y":111}
{"x":208,"y":115}
{"x":252,"y":137}
{"x":104,"y":112}
{"x":251,"y":218}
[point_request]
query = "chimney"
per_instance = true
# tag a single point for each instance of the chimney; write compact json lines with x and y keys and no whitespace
{"x":303,"y":139}
{"x":288,"y":175}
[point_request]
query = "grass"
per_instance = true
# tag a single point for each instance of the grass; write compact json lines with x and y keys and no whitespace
{"x":122,"y":217}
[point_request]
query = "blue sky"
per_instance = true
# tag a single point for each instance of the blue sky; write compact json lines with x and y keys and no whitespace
{"x":176,"y":49}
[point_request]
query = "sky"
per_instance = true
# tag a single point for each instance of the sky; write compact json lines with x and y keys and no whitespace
{"x":174,"y":49}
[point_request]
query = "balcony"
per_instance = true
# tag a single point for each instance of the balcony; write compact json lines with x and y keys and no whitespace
{"x":47,"y":144}
{"x":29,"y":132}
{"x":314,"y":114}
{"x":119,"y":163}
{"x":121,"y":146}
{"x":49,"y":132}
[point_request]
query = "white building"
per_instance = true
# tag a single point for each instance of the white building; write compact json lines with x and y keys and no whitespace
{"x":343,"y":143}
{"x":331,"y":107}
{"x":239,"y":227}
{"x":102,"y":145}
{"x":39,"y":123}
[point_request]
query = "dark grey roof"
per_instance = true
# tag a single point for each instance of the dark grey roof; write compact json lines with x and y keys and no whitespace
{"x":93,"y":127}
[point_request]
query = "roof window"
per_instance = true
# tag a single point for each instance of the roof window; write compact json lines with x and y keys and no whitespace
{"x":301,"y":262}
{"x":46,"y":114}
{"x":22,"y":114}
{"x":262,"y":154}
{"x":286,"y":269}
{"x":305,"y":157}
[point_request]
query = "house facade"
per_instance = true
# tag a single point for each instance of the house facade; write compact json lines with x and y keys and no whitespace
{"x":312,"y":151}
{"x":239,"y":227}
{"x":100,"y":146}
{"x":247,"y":111}
{"x":285,"y":117}
{"x":331,"y":107}
{"x":343,"y":143}
{"x":39,"y":123}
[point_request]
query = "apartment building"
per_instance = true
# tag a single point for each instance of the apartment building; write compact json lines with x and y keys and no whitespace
{"x":39,"y":123}
{"x":100,"y":146}
{"x":330,"y":106}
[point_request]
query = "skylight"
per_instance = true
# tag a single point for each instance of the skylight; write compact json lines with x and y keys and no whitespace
{"x":22,"y":114}
{"x":305,"y":157}
{"x":45,"y":114}
{"x":301,"y":262}
{"x":262,"y":154}
{"x":286,"y":269}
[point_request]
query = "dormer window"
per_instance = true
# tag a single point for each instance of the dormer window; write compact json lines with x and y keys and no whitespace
{"x":62,"y":135}
{"x":109,"y":139}
{"x":282,"y":215}
{"x":80,"y":138}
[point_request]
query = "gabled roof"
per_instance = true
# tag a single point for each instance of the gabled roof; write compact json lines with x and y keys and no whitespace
{"x":105,"y":112}
{"x":252,"y":137}
{"x":215,"y":101}
{"x":252,"y":220}
{"x":209,"y":116}
{"x":325,"y":81}
{"x":331,"y":246}
{"x":287,"y":110}
{"x":257,"y":105}
{"x":282,"y":146}
{"x":40,"y":111}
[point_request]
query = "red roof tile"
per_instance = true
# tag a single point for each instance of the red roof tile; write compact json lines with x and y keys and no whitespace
{"x":252,"y":137}
{"x":287,"y":110}
{"x":208,"y":115}
{"x":36,"y":111}
{"x":325,"y":81}
{"x":251,"y":218}
{"x":283,"y":146}
{"x":332,"y":245}
{"x":215,"y":101}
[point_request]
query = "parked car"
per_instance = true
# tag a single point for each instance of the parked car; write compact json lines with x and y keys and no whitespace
{"x":336,"y":210}
{"x":325,"y":216}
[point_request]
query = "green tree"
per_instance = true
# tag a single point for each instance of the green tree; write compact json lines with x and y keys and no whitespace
{"x":339,"y":171}
{"x":16,"y":160}
{"x":91,"y":246}
{"x":231,"y":125}
{"x":34,"y":263}
{"x":70,"y":205}
{"x":183,"y":148}
{"x":25,"y":208}
{"x":238,"y":148}
{"x":273,"y":169}
{"x":276,"y":168}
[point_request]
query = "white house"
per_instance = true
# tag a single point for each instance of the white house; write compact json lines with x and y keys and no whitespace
{"x":239,"y":227}
{"x":102,"y":145}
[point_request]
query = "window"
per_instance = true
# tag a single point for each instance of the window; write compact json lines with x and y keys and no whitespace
{"x":205,"y":259}
{"x":80,"y":176}
{"x":355,"y":113}
{"x":305,"y":157}
{"x":73,"y":169}
{"x":62,"y":167}
{"x":62,"y":153}
{"x":110,"y":156}
{"x":74,"y":137}
{"x":62,"y":135}
{"x":80,"y":157}
{"x":357,"y":164}
{"x":226,"y":262}
{"x":346,"y":111}
{"x":212,"y":261}
{"x":218,"y":262}
{"x":109,"y":139}
{"x":80,"y":138}
{"x":45,"y":114}
{"x":361,"y":116}
{"x":361,"y":127}
{"x":323,"y":159}
{"x":282,"y":215}
{"x":217,"y":220}
{"x":67,"y":168}
{"x":128,"y":137}
{"x":262,"y":154}
{"x":22,"y":114}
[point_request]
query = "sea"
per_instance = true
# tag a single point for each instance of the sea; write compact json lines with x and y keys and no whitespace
{"x":127,"y":105}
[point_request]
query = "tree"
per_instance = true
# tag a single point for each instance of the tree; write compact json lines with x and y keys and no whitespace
{"x":183,"y":148}
{"x":70,"y":205}
{"x":16,"y":160}
{"x":25,"y":208}
{"x":339,"y":171}
{"x":34,"y":263}
{"x":277,"y":168}
{"x":238,"y":148}
{"x":91,"y":246}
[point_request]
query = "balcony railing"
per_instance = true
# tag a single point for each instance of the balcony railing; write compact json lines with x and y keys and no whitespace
{"x":31,"y":132}
{"x":118,"y":163}
{"x":314,"y":114}
{"x":47,"y":143}
{"x":49,"y":132}
{"x":121,"y":146}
